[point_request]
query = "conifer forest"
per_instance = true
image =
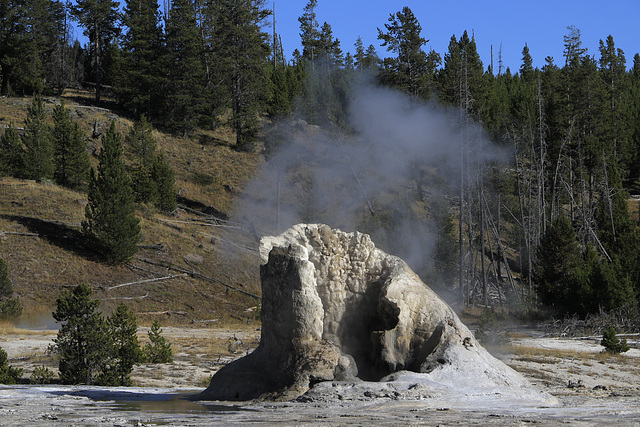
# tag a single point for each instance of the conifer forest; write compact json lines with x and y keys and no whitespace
{"x":553,"y":225}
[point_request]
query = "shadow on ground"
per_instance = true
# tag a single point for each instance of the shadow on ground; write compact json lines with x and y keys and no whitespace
{"x":68,"y":238}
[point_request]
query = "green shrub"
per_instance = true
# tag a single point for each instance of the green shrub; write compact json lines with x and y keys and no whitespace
{"x":612,"y":343}
{"x":10,"y":306}
{"x":41,"y":375}
{"x":8,"y":374}
{"x":158,"y":350}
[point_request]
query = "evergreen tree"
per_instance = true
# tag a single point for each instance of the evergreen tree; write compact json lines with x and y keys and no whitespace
{"x":33,"y":44}
{"x":110,"y":214}
{"x":141,"y":147}
{"x":359,"y":55}
{"x":10,"y":305}
{"x":526,"y":69}
{"x":164,"y":179}
{"x":142,"y":79}
{"x":309,"y":32}
{"x":100,"y":21}
{"x":612,"y":343}
{"x":152,"y":176}
{"x":242,"y":50}
{"x":460,"y":82}
{"x":328,"y":48}
{"x":558,"y":259}
{"x":38,"y":160}
{"x":8,"y":374}
{"x":122,"y":327}
{"x":82,"y":342}
{"x":402,"y":37}
{"x":616,"y":121}
{"x":11,"y":153}
{"x":371,"y":59}
{"x":71,"y":158}
{"x":184,"y":100}
{"x":158,"y":350}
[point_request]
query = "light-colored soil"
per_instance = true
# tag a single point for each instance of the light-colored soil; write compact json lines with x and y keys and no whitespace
{"x":591,"y":388}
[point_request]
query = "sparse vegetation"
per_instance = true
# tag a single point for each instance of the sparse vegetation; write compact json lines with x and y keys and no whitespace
{"x":8,"y":374}
{"x":10,"y":305}
{"x":158,"y":350}
{"x":41,"y":375}
{"x":94,"y":350}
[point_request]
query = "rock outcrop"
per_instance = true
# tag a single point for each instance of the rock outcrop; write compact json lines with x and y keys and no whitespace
{"x":336,"y":308}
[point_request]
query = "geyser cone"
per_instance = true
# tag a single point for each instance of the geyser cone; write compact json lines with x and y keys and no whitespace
{"x":336,"y":308}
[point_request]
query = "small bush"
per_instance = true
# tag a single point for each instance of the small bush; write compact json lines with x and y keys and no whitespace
{"x":8,"y":374}
{"x":158,"y":350}
{"x":612,"y":343}
{"x":41,"y":375}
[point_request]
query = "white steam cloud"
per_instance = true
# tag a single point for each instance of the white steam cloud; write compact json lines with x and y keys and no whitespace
{"x":365,"y":179}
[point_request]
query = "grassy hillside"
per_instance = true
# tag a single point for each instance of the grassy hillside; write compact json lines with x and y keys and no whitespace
{"x":41,"y":240}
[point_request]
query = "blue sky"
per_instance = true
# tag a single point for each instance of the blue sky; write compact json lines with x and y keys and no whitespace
{"x":541,"y":24}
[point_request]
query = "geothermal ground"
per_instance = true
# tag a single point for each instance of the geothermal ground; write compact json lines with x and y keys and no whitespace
{"x":586,"y":388}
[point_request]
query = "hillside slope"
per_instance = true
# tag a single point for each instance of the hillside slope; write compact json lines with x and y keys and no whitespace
{"x":188,"y":268}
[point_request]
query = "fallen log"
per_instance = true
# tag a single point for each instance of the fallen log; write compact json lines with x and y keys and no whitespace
{"x":197,"y":275}
{"x":146,"y":281}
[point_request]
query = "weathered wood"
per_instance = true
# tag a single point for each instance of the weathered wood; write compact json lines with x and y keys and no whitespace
{"x":126,"y":298}
{"x":146,"y":281}
{"x":197,"y":275}
{"x":16,"y":233}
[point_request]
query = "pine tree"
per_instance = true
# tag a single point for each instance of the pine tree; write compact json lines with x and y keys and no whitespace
{"x":38,"y":157}
{"x":143,"y":79}
{"x":309,"y":32}
{"x":402,"y":37}
{"x":10,"y":305}
{"x":371,"y":59}
{"x":359,"y":55}
{"x":558,"y":259}
{"x":141,"y":150}
{"x":158,"y":350}
{"x":110,"y":214}
{"x":612,"y":343}
{"x":32,"y":39}
{"x":11,"y":153}
{"x":8,"y":374}
{"x":328,"y":48}
{"x":82,"y":342}
{"x":460,"y":82}
{"x":70,"y":158}
{"x":100,"y":21}
{"x":184,"y":100}
{"x":164,"y":179}
{"x":616,"y":121}
{"x":526,"y":69}
{"x":242,"y":50}
{"x":122,"y":327}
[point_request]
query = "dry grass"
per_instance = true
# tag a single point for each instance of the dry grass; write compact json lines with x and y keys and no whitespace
{"x":43,"y":265}
{"x":8,"y":328}
{"x":548,"y":355}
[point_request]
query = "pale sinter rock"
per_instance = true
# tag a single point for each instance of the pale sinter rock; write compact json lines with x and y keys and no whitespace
{"x":336,"y":308}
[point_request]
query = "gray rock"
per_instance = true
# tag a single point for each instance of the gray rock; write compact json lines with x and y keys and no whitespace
{"x":194,"y":259}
